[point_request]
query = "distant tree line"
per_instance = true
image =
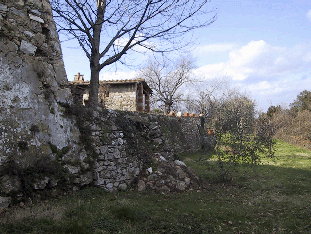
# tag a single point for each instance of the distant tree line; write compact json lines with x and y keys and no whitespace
{"x":293,"y":124}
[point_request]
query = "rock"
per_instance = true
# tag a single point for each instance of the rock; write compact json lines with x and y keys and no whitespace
{"x":41,"y":184}
{"x":3,"y":8}
{"x":28,"y":48}
{"x":10,"y":183}
{"x":123,"y":186}
{"x":29,"y":34}
{"x":36,"y":18}
{"x":22,"y":205}
{"x":165,"y":189}
{"x":109,"y":186}
{"x":181,"y":174}
{"x":17,"y":12}
{"x":162,"y":158}
{"x":187,"y":181}
{"x":86,"y":178}
{"x":36,"y":12}
{"x":53,"y":183}
{"x":181,"y":186}
{"x":4,"y":203}
{"x":149,"y":170}
{"x":180,"y":163}
{"x":20,"y":2}
{"x":141,"y":186}
{"x":72,"y":169}
{"x":152,"y":177}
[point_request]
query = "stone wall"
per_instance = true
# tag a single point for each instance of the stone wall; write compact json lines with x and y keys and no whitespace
{"x":49,"y":144}
{"x":33,"y":93}
{"x":125,"y":148}
{"x":122,"y":97}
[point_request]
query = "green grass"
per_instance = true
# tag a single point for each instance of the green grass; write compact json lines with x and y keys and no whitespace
{"x":273,"y":197}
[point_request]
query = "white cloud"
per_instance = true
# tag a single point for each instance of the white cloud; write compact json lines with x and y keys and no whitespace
{"x":210,"y":70}
{"x":267,"y":72}
{"x":119,"y":75}
{"x":307,"y":57}
{"x":308,"y":15}
{"x":259,"y":59}
{"x":217,"y":47}
{"x":264,"y":85}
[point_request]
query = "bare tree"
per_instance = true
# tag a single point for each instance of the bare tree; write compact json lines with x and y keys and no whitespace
{"x":205,"y":94}
{"x":166,"y":78}
{"x":108,"y":29}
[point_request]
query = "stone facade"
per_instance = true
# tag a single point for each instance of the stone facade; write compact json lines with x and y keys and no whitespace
{"x":126,"y":95}
{"x":122,"y":97}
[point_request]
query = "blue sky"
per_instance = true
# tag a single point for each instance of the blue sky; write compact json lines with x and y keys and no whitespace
{"x":263,"y":47}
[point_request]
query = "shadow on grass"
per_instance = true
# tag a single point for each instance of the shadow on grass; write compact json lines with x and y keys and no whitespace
{"x":270,"y":198}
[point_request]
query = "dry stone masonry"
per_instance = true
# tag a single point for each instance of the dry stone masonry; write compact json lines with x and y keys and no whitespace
{"x":130,"y":149}
{"x":50,"y":144}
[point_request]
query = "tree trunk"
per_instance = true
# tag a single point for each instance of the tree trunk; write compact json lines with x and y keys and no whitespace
{"x":94,"y":85}
{"x":95,"y":56}
{"x":167,"y":108}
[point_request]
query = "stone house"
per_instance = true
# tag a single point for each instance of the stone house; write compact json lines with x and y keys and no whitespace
{"x":126,"y":95}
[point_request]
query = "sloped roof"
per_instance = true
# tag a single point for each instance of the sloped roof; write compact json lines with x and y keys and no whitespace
{"x":115,"y":82}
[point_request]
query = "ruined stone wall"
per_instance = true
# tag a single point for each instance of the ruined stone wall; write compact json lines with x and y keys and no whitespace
{"x":33,"y":93}
{"x":47,"y":144}
{"x":190,"y":127}
{"x":128,"y":147}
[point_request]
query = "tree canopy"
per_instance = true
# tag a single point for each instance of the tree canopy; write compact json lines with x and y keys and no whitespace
{"x":106,"y":30}
{"x":302,"y":102}
{"x":166,"y":78}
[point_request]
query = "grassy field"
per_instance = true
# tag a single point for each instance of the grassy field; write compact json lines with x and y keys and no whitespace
{"x":274,"y":197}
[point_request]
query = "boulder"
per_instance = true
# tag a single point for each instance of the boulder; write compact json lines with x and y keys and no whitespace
{"x":4,"y":203}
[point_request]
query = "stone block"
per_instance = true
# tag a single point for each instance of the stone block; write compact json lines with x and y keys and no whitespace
{"x":3,"y":8}
{"x":20,"y":2}
{"x":86,"y":178}
{"x":109,"y":186}
{"x":39,"y":39}
{"x":72,"y":169}
{"x":17,"y":12}
{"x":41,"y":184}
{"x":141,"y":186}
{"x":36,"y":12}
{"x":59,"y":69}
{"x":28,"y":48}
{"x":122,"y":186}
{"x":36,"y":18}
{"x":4,"y":203}
{"x":10,"y":183}
{"x":181,"y":186}
{"x":29,"y":34}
